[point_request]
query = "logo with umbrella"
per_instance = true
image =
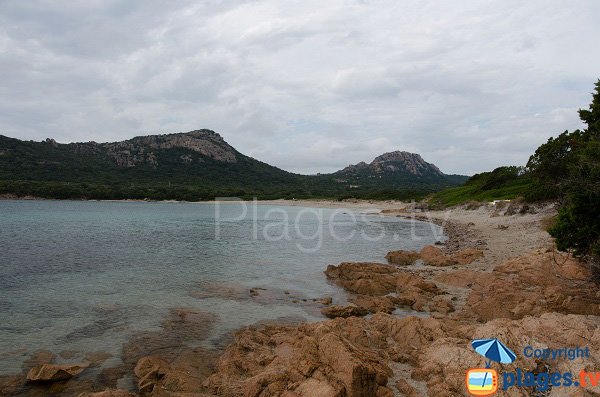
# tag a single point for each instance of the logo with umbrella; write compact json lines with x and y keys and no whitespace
{"x":484,"y":381}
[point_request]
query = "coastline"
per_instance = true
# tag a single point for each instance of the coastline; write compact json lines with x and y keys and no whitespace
{"x":424,"y":353}
{"x":314,"y":203}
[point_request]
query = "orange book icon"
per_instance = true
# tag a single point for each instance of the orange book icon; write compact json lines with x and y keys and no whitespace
{"x":482,"y":381}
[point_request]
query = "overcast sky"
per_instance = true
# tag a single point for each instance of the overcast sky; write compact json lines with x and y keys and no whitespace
{"x":308,"y":86}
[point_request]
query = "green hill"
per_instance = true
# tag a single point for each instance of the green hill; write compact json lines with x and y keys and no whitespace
{"x":197,"y":165}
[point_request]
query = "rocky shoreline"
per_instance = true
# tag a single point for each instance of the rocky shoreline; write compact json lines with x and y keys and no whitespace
{"x":405,"y":332}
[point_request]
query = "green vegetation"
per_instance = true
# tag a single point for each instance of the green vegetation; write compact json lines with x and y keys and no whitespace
{"x":565,"y":169}
{"x":569,"y":165}
{"x":503,"y":183}
{"x":125,"y":171}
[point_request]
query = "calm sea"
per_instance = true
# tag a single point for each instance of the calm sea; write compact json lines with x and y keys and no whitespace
{"x":63,"y":263}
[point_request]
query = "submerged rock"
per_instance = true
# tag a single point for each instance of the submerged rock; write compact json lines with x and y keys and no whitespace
{"x":96,"y":358}
{"x":55,"y":372}
{"x":11,"y":384}
{"x":183,"y":374}
{"x":182,"y":327}
{"x":38,"y":358}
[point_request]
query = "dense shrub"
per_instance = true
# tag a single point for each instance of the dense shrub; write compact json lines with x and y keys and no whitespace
{"x":569,"y":165}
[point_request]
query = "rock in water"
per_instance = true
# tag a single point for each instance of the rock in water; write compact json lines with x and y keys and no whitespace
{"x":55,"y":372}
{"x":402,"y":257}
{"x":344,"y":311}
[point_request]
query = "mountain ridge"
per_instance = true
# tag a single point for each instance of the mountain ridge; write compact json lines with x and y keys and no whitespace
{"x":199,"y":161}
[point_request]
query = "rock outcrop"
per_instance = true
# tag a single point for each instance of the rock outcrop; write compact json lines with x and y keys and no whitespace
{"x":183,"y":374}
{"x":402,"y":257}
{"x":326,"y":359}
{"x":398,"y":161}
{"x":142,"y":149}
{"x":335,"y":311}
{"x":55,"y":372}
{"x":108,"y":393}
{"x":382,"y":288}
{"x":539,"y":282}
{"x":433,"y":256}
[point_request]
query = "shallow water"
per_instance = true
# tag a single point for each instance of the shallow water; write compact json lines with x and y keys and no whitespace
{"x":86,"y":276}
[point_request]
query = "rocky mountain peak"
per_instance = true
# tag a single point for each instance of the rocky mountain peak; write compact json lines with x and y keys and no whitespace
{"x":397,"y":161}
{"x":409,"y":162}
{"x":144,"y":149}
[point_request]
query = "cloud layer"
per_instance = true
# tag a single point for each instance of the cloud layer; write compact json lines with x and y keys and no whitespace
{"x":308,"y":86}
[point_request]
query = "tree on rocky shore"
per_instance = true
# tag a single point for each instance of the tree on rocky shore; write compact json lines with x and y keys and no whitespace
{"x":569,"y":166}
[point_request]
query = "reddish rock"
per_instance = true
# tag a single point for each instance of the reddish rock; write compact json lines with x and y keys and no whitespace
{"x":379,"y":288}
{"x":109,"y":393}
{"x":374,"y":304}
{"x":532,"y":284}
{"x":466,"y":256}
{"x":433,"y":256}
{"x":183,"y":374}
{"x":372,"y":279}
{"x":401,"y":257}
{"x":336,"y":358}
{"x":55,"y":372}
{"x":11,"y":384}
{"x":406,"y":388}
{"x":334,"y":311}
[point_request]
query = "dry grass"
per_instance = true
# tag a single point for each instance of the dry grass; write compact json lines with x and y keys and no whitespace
{"x":548,"y":222}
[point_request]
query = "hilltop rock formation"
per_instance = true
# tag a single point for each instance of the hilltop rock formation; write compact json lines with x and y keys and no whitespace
{"x":397,"y":161}
{"x":142,"y":149}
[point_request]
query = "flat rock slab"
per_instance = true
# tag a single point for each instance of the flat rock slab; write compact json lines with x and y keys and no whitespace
{"x":55,"y":372}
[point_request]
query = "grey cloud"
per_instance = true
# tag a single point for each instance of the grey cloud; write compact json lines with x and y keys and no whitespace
{"x":307,"y":86}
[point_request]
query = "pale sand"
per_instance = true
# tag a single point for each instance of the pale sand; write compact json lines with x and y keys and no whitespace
{"x":486,"y":225}
{"x":360,"y":205}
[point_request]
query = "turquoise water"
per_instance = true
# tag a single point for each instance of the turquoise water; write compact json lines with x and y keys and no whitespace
{"x":87,"y":275}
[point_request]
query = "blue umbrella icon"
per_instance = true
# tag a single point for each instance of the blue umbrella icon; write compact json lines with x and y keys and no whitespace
{"x":493,"y":350}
